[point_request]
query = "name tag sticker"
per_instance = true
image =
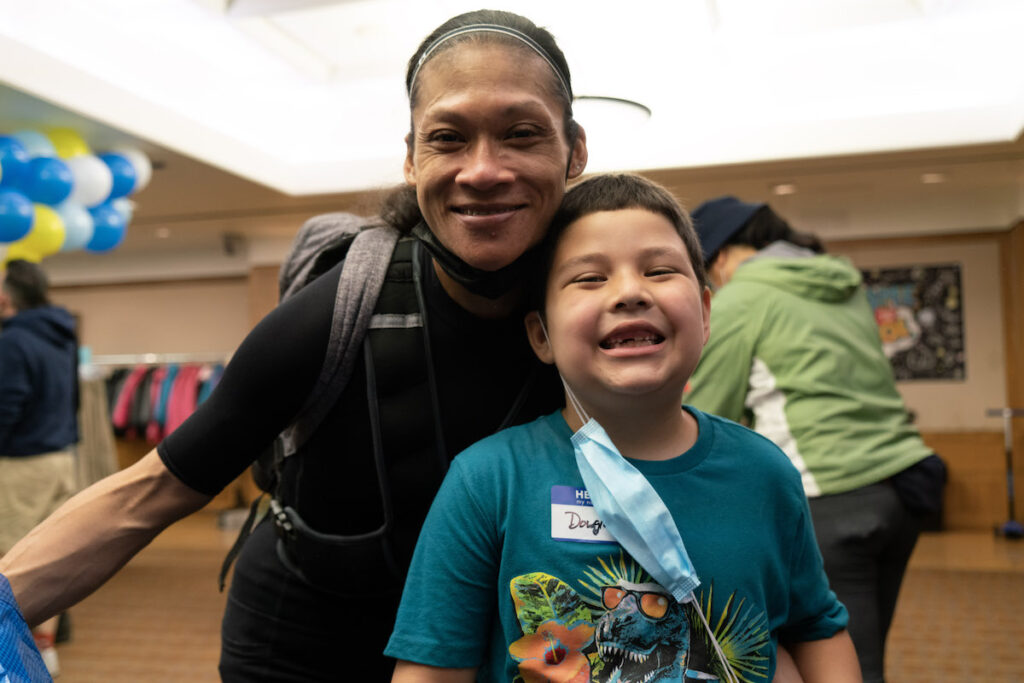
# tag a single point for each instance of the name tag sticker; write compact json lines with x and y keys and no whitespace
{"x":573,"y":517}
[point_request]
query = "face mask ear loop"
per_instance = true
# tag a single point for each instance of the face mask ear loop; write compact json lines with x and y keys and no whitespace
{"x":730,"y":674}
{"x":573,"y":401}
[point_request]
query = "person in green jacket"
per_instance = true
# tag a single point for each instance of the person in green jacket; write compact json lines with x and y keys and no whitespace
{"x":795,"y":354}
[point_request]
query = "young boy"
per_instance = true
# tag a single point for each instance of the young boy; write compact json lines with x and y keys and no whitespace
{"x":515,"y":573}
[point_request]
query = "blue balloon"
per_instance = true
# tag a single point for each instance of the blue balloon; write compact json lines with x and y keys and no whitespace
{"x":48,"y":180}
{"x":108,"y":228}
{"x":123,"y":172}
{"x":13,"y":160}
{"x":16,"y":215}
{"x":36,"y":144}
{"x":78,"y":225}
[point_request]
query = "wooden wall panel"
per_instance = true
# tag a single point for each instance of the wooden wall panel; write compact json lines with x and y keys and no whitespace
{"x":262,"y":292}
{"x":1013,"y":315}
{"x":976,"y":491}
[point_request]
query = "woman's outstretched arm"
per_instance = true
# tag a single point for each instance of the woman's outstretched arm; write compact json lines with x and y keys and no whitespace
{"x":86,"y":540}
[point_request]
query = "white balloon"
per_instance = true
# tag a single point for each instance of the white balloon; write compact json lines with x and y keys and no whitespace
{"x":92,"y":180}
{"x":138,"y":159}
{"x":125,"y":207}
{"x":78,"y":225}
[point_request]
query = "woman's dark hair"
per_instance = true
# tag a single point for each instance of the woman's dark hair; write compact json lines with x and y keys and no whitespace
{"x":26,"y":284}
{"x":399,"y":207}
{"x":614,"y":192}
{"x":766,"y":226}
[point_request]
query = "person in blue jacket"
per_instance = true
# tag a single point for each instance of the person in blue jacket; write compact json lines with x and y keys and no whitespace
{"x":38,"y":412}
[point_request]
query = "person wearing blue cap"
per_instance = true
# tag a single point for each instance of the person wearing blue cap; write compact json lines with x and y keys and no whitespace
{"x":794,"y":352}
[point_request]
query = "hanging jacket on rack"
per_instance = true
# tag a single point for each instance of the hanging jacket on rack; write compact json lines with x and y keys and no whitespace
{"x":207,"y":388}
{"x":182,"y":402}
{"x":152,"y":430}
{"x":141,"y":405}
{"x":160,"y":413}
{"x":122,"y":411}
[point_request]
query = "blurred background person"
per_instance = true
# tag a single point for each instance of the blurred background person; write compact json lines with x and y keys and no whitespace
{"x":795,"y":353}
{"x":38,"y":413}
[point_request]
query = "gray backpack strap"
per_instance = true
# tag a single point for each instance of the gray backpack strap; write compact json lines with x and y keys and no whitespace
{"x":318,"y":234}
{"x":359,"y":285}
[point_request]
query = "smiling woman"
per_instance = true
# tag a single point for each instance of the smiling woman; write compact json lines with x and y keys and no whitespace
{"x":491,"y":147}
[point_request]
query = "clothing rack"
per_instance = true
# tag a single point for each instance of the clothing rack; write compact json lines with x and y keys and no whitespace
{"x":157,"y":391}
{"x":133,"y":359}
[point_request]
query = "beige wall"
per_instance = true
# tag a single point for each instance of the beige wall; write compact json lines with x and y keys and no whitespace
{"x":950,"y":406}
{"x":196,"y":316}
{"x":213,"y":315}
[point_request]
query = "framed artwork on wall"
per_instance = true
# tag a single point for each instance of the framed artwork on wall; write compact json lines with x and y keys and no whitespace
{"x":919,"y":311}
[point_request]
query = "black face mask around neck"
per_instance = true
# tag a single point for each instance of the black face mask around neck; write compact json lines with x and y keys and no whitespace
{"x":491,"y":284}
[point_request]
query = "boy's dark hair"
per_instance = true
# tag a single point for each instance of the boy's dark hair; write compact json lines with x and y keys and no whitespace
{"x":614,"y":192}
{"x":26,"y":284}
{"x":766,"y":227}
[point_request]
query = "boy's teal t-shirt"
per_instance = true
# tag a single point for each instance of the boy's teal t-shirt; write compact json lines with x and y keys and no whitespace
{"x":514,"y":574}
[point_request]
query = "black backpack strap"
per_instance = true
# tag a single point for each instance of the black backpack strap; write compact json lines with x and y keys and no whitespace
{"x":367,"y":261}
{"x":243,"y":534}
{"x":359,"y":285}
{"x":393,"y":350}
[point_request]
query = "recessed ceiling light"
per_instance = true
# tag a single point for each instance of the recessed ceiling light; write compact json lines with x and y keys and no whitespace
{"x":163,"y":233}
{"x":933,"y":178}
{"x":784,"y":189}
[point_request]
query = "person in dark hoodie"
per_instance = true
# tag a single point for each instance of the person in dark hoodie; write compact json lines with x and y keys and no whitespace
{"x":794,"y":352}
{"x":38,"y":413}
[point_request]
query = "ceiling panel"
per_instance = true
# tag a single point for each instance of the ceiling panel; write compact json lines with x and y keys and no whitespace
{"x":306,"y":97}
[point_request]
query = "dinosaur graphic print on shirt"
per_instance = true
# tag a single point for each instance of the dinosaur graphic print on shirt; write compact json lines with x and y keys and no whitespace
{"x":620,"y":626}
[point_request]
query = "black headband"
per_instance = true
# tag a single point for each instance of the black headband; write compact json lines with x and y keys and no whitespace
{"x":491,"y":28}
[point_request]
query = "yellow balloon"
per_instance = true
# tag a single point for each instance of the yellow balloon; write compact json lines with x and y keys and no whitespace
{"x":16,"y":252}
{"x":67,"y":142}
{"x":46,"y":236}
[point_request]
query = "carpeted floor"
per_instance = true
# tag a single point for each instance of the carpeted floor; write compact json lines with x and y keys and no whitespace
{"x":958,"y":626}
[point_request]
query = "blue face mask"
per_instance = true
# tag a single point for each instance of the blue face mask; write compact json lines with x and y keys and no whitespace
{"x":633,"y":511}
{"x":637,"y":517}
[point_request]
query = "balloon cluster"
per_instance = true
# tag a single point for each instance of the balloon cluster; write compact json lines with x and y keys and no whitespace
{"x":56,"y":195}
